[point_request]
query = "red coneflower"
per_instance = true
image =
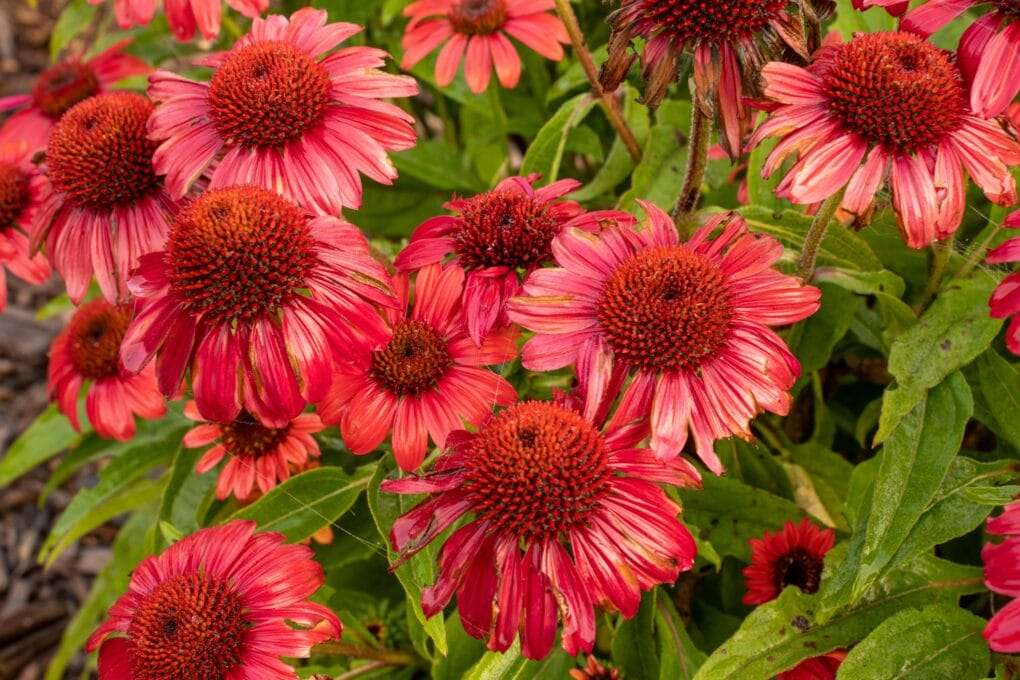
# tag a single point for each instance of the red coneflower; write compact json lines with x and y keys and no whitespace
{"x":60,"y":87}
{"x":286,"y":112}
{"x":224,"y":602}
{"x":496,"y":235}
{"x":885,"y":105}
{"x":21,"y":190}
{"x":88,"y":351}
{"x":479,"y":30}
{"x":1005,"y":300}
{"x":690,"y":321}
{"x":251,"y":294}
{"x":105,"y":206}
{"x":258,"y":457}
{"x":729,"y":40}
{"x":425,"y":381}
{"x":792,"y":556}
{"x":183,"y":16}
{"x":536,"y":478}
{"x":1002,"y":575}
{"x":989,"y":51}
{"x":822,"y":667}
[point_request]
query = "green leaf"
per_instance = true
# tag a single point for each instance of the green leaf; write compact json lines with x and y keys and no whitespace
{"x":813,"y":340}
{"x":681,"y":659}
{"x":185,"y":491}
{"x":438,"y":164}
{"x":545,"y":153}
{"x":850,"y":20}
{"x":840,"y":248}
{"x":47,"y":436}
{"x":780,"y":634}
{"x":659,"y":176}
{"x":306,"y":502}
{"x":465,"y":652}
{"x":950,"y":334}
{"x":75,"y":18}
{"x":1000,"y":387}
{"x":634,"y":645}
{"x":937,"y":642}
{"x":618,"y":165}
{"x":510,"y":665}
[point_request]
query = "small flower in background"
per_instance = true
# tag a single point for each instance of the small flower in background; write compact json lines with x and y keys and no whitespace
{"x":593,"y":670}
{"x":1005,"y":300}
{"x":885,"y":107}
{"x":690,"y":321}
{"x":285,"y":112}
{"x":989,"y":50}
{"x":87,"y":351}
{"x":105,"y":206}
{"x":183,"y":16}
{"x":60,"y":87}
{"x":224,"y":602}
{"x":822,"y":667}
{"x":792,"y":556}
{"x":252,"y":293}
{"x":494,"y":235}
{"x":21,"y":190}
{"x":729,"y":40}
{"x":1002,"y":575}
{"x":258,"y":457}
{"x":537,"y":477}
{"x":425,"y":381}
{"x":477,"y":30}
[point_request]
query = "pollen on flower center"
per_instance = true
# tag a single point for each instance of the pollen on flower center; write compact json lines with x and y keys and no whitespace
{"x":99,"y":153}
{"x":798,"y":568}
{"x":477,"y":17}
{"x":504,"y":229}
{"x":537,"y":470}
{"x":665,"y":309}
{"x":709,"y":20}
{"x":267,"y":93}
{"x":895,"y":89}
{"x":413,"y":361}
{"x":13,"y":194}
{"x":246,"y":436}
{"x":189,"y":627}
{"x":95,"y":333}
{"x":239,"y":252}
{"x":63,"y":85}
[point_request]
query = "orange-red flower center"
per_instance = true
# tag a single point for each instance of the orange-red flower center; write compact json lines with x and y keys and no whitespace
{"x":63,"y":85}
{"x":94,"y":335}
{"x":267,"y":93}
{"x":536,"y":470}
{"x":477,"y":17}
{"x":798,"y":568}
{"x":666,"y":309}
{"x":13,"y":194}
{"x":709,"y":20}
{"x":238,"y":253}
{"x":504,"y":229}
{"x":99,"y":153}
{"x":246,"y":436}
{"x":190,"y":627}
{"x":413,"y":361}
{"x":895,"y":89}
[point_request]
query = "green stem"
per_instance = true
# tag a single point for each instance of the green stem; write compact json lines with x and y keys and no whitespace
{"x":389,"y":657}
{"x":697,"y":161}
{"x":940,"y":252}
{"x":815,"y":236}
{"x":978,"y":254}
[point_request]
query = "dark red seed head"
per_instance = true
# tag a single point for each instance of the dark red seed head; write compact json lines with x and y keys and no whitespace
{"x":666,"y":309}
{"x":94,"y":336}
{"x":505,"y":229}
{"x":99,"y":153}
{"x":247,"y":437}
{"x":267,"y":94}
{"x":798,"y":568}
{"x":1008,"y":7}
{"x":63,"y":85}
{"x":536,"y":470}
{"x":690,"y":21}
{"x":13,"y":194}
{"x":413,"y":361}
{"x":477,"y":17}
{"x":239,"y":252}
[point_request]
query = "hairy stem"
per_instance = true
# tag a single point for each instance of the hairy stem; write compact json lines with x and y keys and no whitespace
{"x":978,"y":254}
{"x":815,"y":235}
{"x":610,"y":104}
{"x":697,"y":161}
{"x":940,"y":252}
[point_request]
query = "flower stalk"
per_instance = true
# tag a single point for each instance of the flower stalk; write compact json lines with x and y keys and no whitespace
{"x":697,"y":162}
{"x":816,"y":234}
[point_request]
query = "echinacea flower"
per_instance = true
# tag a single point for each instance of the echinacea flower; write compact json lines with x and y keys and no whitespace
{"x":285,"y":111}
{"x":536,"y":479}
{"x":87,"y":352}
{"x":252,"y":293}
{"x":258,"y":457}
{"x":885,"y":107}
{"x":1005,"y":300}
{"x":729,"y":40}
{"x":224,"y":602}
{"x":1002,"y":575}
{"x":496,"y":235}
{"x":822,"y":667}
{"x":477,"y":31}
{"x":105,"y":207}
{"x":60,"y":87}
{"x":21,"y":189}
{"x":989,"y":50}
{"x":690,"y":321}
{"x":792,"y":556}
{"x":425,"y":381}
{"x":594,"y":670}
{"x":183,"y":16}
